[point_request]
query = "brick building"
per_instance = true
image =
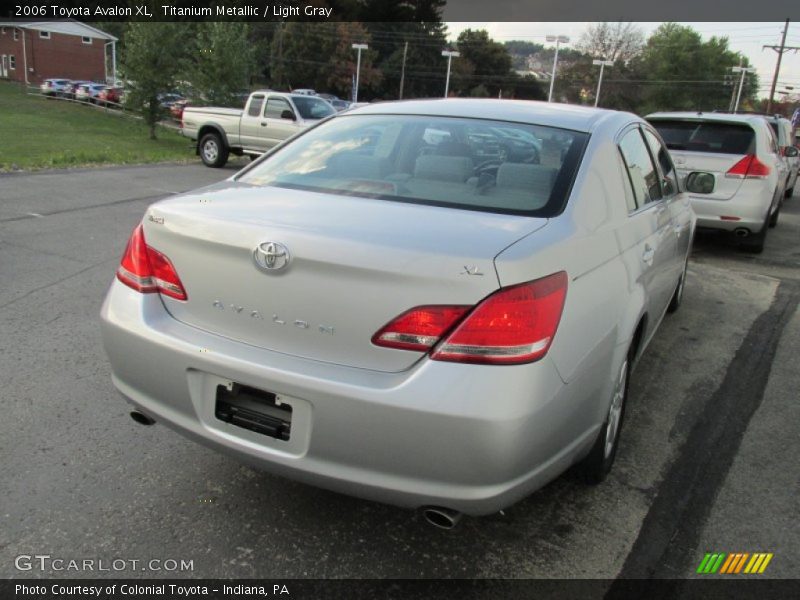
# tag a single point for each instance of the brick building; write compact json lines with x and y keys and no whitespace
{"x":32,"y":51}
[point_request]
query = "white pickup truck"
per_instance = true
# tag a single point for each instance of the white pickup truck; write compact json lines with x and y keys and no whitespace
{"x":268,"y":118}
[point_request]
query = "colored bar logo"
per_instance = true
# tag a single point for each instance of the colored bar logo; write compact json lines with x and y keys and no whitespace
{"x":734,"y":563}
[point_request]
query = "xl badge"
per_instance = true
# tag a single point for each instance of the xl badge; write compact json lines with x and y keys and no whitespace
{"x":271,"y":256}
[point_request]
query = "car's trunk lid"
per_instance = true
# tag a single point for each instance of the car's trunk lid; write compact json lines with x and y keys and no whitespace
{"x":356,"y":263}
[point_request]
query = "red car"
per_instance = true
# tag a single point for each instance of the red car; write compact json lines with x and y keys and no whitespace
{"x":110,"y":95}
{"x":176,"y":110}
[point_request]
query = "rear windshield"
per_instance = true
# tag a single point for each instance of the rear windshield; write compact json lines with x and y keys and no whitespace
{"x":313,"y":108}
{"x":443,"y":161}
{"x":706,"y":136}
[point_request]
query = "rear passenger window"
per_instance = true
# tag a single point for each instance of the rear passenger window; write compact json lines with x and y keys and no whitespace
{"x":254,"y":110}
{"x":670,"y":184}
{"x":275,"y":108}
{"x":641,"y":171}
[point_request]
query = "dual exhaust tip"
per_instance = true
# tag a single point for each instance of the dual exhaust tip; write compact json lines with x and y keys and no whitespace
{"x":438,"y":516}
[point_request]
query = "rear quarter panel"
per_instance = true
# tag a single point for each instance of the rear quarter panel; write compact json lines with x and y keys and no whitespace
{"x":604,"y":300}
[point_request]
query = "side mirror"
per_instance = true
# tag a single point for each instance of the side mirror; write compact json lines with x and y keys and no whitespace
{"x":287,"y":114}
{"x":700,"y":183}
{"x":791,"y":152}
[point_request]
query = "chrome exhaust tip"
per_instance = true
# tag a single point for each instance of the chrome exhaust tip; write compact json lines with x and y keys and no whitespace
{"x":141,"y":418}
{"x":443,"y":518}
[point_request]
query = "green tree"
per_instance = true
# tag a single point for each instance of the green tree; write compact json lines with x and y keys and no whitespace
{"x":153,"y":56}
{"x":684,"y":73}
{"x":490,"y":59}
{"x":222,"y":62}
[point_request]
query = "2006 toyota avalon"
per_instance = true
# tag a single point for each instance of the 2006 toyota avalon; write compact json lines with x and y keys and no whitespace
{"x":427,"y":303}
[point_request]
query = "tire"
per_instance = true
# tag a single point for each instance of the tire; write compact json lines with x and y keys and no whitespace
{"x":597,"y":465}
{"x":677,"y":297}
{"x":213,"y":151}
{"x":773,"y":220}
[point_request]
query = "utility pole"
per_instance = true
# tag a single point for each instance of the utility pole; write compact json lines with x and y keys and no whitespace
{"x":403,"y":72}
{"x":449,"y":54}
{"x":780,"y":50}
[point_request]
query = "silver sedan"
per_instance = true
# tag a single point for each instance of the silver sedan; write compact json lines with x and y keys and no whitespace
{"x":429,"y":303}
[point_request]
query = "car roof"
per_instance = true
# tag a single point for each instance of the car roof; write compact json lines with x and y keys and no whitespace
{"x":564,"y":116}
{"x":749,"y":119}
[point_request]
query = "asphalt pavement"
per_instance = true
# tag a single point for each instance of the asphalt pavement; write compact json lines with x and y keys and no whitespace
{"x":709,"y":458}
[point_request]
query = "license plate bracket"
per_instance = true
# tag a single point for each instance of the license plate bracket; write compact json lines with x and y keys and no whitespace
{"x":253,"y":409}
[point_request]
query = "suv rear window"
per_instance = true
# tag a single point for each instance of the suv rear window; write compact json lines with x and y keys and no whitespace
{"x":706,"y":136}
{"x":443,"y":161}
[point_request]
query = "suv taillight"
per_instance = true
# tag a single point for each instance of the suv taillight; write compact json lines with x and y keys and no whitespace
{"x":147,"y":270}
{"x":514,"y":325}
{"x":748,"y":167}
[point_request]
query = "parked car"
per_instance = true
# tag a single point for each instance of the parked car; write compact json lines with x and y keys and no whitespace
{"x":370,"y":314}
{"x":305,"y":92}
{"x":89,"y":92}
{"x":340,"y":105}
{"x":54,"y":87}
{"x":176,"y":110}
{"x":111,"y":96}
{"x":71,"y":89}
{"x":782,"y":128}
{"x":268,"y":119}
{"x":733,"y":170}
{"x":168,"y":99}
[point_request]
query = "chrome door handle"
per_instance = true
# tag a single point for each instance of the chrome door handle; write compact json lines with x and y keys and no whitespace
{"x":649,"y":253}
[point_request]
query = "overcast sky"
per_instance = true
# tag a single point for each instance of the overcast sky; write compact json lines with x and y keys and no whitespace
{"x":747,"y":38}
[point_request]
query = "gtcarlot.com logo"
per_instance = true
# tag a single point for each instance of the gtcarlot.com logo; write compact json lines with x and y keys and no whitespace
{"x":47,"y":562}
{"x":734,"y":563}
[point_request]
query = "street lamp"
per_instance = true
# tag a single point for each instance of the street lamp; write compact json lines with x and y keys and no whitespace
{"x":449,"y":54}
{"x":603,"y":64}
{"x":743,"y":71}
{"x":558,"y":39}
{"x":358,"y":47}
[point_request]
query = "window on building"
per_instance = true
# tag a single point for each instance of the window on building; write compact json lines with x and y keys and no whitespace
{"x":16,"y":34}
{"x":44,"y":35}
{"x":3,"y":30}
{"x":12,"y":62}
{"x":86,"y":40}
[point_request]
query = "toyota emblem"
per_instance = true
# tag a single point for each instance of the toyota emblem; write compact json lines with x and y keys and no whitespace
{"x":271,"y":256}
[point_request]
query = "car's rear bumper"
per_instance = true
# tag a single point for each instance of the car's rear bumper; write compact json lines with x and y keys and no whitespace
{"x":746,"y":210}
{"x":471,"y":438}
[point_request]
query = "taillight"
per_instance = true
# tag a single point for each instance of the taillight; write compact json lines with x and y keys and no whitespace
{"x":419,"y":328}
{"x":147,"y":270}
{"x":514,"y":325}
{"x":748,"y":167}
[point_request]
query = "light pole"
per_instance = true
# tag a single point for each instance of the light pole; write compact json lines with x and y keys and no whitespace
{"x":449,"y":54}
{"x":558,"y":39}
{"x":358,"y":47}
{"x":603,"y":64}
{"x":743,"y":71}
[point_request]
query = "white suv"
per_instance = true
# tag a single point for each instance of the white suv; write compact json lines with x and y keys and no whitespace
{"x":786,"y":143}
{"x":732,"y":168}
